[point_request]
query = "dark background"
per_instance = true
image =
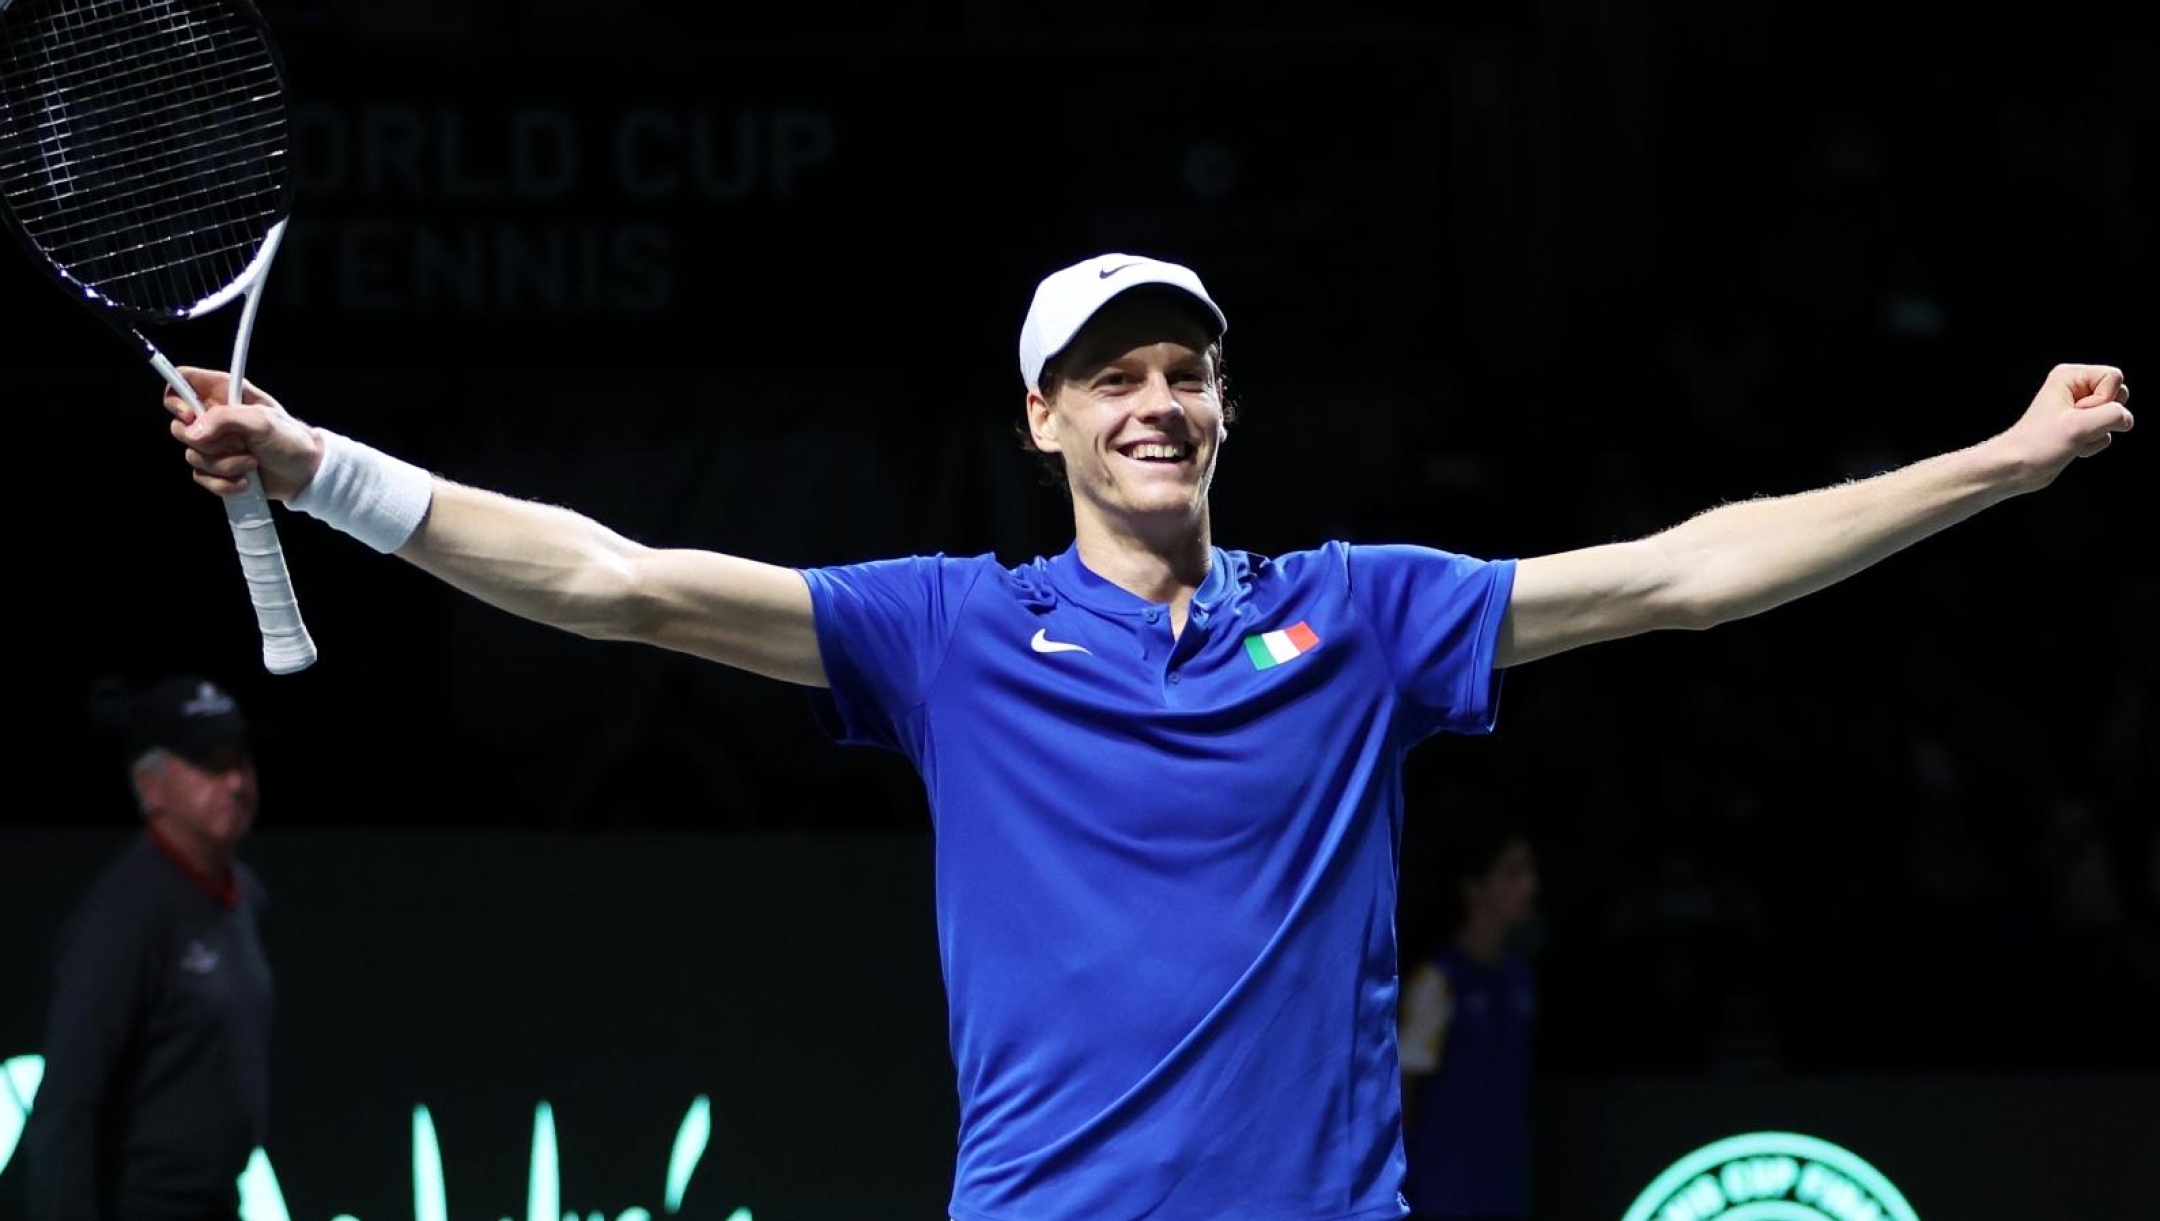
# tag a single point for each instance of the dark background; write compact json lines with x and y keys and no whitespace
{"x":1503,"y":278}
{"x":616,"y":985}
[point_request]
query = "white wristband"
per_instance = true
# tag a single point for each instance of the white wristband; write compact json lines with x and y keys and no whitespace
{"x":368,"y":494}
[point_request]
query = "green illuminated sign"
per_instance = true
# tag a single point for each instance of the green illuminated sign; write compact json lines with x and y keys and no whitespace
{"x":261,"y":1199}
{"x":19,"y":1080}
{"x":1771,"y":1176}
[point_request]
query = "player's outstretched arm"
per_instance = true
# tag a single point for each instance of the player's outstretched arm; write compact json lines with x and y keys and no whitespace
{"x":1742,"y":559}
{"x":536,"y":561}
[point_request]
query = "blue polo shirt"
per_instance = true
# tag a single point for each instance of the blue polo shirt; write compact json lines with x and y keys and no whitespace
{"x":1166,"y":866}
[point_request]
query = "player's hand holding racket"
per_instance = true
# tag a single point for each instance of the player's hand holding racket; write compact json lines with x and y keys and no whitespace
{"x":143,"y":163}
{"x":232,"y":446}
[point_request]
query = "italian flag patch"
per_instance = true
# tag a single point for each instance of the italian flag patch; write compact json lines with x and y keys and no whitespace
{"x":1270,"y":649}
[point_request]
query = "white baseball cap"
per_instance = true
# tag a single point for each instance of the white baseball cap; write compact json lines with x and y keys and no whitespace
{"x":1065,"y":300}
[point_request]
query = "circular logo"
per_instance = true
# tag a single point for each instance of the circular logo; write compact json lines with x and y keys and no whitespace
{"x":1771,"y":1176}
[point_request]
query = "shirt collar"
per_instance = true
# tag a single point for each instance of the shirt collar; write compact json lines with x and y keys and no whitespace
{"x":1077,"y":581}
{"x":226,"y":893}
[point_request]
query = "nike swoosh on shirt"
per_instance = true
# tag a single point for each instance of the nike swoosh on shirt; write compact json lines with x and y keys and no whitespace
{"x":1043,"y":644}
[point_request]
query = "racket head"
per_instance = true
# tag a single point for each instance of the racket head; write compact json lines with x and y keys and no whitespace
{"x":144,"y":154}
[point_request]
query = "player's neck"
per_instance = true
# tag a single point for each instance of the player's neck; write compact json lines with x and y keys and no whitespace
{"x":1166,"y":568}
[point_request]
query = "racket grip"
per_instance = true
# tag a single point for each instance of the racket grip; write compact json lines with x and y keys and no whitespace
{"x":287,"y":647}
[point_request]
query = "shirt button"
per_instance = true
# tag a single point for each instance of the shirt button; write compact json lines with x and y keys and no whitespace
{"x":1152,"y":616}
{"x":1173,"y":676}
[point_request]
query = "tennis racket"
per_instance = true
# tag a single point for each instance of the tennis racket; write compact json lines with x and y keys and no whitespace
{"x":143,"y":161}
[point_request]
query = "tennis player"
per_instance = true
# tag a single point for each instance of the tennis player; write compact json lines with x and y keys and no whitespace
{"x":1165,"y":776}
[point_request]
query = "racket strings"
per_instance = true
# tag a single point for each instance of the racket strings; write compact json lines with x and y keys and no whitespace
{"x":187,"y":242}
{"x":56,"y":130}
{"x":142,"y":144}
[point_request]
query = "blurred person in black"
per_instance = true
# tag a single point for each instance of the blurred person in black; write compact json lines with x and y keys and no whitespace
{"x":156,"y":1080}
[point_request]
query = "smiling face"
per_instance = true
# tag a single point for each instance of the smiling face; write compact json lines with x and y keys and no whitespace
{"x":1133,"y":407}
